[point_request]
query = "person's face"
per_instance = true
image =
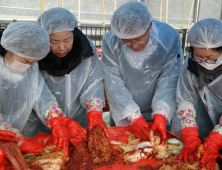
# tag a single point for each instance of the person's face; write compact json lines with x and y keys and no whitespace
{"x":61,"y":43}
{"x":142,"y":40}
{"x":10,"y":58}
{"x":206,"y":54}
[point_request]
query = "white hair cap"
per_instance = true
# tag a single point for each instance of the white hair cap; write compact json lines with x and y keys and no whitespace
{"x":57,"y":20}
{"x":131,"y":20}
{"x":26,"y":39}
{"x":206,"y":33}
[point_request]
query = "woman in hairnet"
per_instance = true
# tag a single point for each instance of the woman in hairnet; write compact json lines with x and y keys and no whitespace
{"x":72,"y":69}
{"x":141,"y":60}
{"x":23,"y":87}
{"x":199,"y":97}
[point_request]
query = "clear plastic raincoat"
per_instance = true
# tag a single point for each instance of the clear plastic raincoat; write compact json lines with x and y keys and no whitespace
{"x":207,"y":101}
{"x":141,"y":80}
{"x":20,"y":93}
{"x":83,"y":83}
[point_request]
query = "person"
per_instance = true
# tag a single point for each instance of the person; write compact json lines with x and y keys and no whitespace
{"x":23,"y":88}
{"x":199,"y":97}
{"x":141,"y":60}
{"x":72,"y":69}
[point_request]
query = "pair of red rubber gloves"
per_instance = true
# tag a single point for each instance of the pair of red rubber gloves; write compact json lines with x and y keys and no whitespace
{"x":66,"y":130}
{"x":27,"y":146}
{"x":212,"y":144}
{"x":141,"y":127}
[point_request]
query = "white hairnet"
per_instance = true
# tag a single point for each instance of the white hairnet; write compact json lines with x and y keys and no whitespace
{"x":206,"y":33}
{"x":57,"y":20}
{"x":26,"y":39}
{"x":131,"y":20}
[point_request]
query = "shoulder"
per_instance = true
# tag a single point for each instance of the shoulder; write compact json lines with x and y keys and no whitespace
{"x":166,"y":35}
{"x":164,"y":28}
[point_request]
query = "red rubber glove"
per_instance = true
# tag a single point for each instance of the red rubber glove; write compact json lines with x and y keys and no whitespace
{"x":7,"y":136}
{"x":212,"y":144}
{"x":141,"y":128}
{"x":76,"y":132}
{"x":95,"y":119}
{"x":60,"y":134}
{"x":159,"y":126}
{"x":192,"y":141}
{"x":28,"y":146}
{"x":3,"y":160}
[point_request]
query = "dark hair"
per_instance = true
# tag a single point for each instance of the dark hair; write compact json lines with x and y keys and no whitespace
{"x":2,"y":49}
{"x":218,"y":49}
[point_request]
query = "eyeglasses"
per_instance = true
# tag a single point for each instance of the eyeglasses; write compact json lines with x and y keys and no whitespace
{"x":199,"y":60}
{"x":128,"y":44}
{"x":138,"y":43}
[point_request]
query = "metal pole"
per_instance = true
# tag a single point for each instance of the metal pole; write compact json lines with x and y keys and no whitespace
{"x":103,"y":17}
{"x":160,"y":9}
{"x":79,"y":13}
{"x":191,"y":10}
{"x":184,"y":5}
{"x":185,"y":31}
{"x":148,"y":2}
{"x":62,"y":3}
{"x":114,"y":5}
{"x":196,"y":11}
{"x":166,"y":10}
{"x":42,"y":6}
{"x":221,"y":12}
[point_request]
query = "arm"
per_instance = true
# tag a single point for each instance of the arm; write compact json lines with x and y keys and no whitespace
{"x":8,"y":133}
{"x":187,"y":96}
{"x":64,"y":129}
{"x":92,"y":97}
{"x":164,"y":103}
{"x":123,"y":108}
{"x":212,"y":144}
{"x":46,"y":106}
{"x":120,"y":100}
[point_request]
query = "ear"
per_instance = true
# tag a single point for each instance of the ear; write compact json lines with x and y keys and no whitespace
{"x":151,"y":25}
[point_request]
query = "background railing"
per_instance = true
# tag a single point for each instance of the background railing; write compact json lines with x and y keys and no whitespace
{"x":95,"y":33}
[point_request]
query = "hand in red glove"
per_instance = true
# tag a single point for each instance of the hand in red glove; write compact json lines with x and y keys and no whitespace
{"x":141,"y":128}
{"x":3,"y":160}
{"x":7,"y":136}
{"x":159,"y":126}
{"x":29,"y":146}
{"x":212,"y":144}
{"x":76,"y":132}
{"x":25,"y":145}
{"x":60,"y":134}
{"x":95,"y":119}
{"x":192,"y":141}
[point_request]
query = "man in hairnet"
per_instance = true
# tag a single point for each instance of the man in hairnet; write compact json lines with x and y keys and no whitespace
{"x":199,"y":97}
{"x":23,"y":88}
{"x":141,"y":60}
